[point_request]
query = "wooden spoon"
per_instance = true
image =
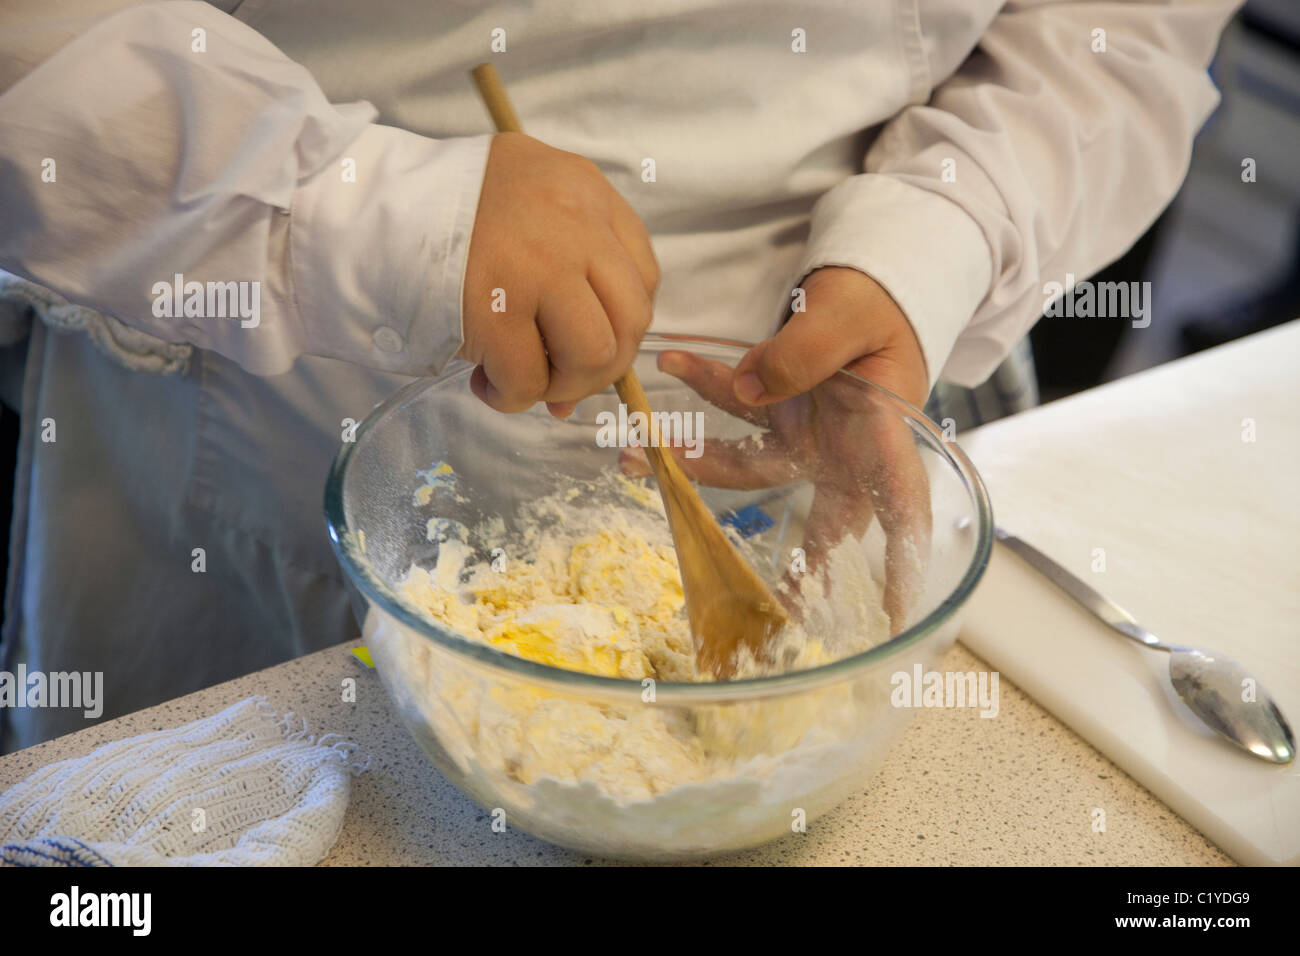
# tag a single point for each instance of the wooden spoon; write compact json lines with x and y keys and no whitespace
{"x":727,"y":603}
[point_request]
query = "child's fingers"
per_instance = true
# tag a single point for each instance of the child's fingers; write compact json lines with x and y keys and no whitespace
{"x":740,"y":465}
{"x":711,"y":380}
{"x":833,"y":516}
{"x":580,"y":343}
{"x":901,"y":487}
{"x":615,"y":279}
{"x":632,"y":235}
{"x":515,"y":375}
{"x":810,"y":348}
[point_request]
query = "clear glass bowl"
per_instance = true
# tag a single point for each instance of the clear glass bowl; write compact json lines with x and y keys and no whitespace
{"x":774,"y":752}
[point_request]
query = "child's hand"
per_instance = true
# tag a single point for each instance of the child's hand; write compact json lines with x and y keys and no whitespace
{"x":849,"y":322}
{"x":860,"y":458}
{"x":572,"y":265}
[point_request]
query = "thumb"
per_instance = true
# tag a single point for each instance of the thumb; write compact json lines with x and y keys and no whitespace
{"x":810,"y":348}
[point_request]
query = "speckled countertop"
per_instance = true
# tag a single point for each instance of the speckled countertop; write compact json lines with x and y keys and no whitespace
{"x":956,"y":789}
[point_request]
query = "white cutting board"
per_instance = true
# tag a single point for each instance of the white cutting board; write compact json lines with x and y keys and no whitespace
{"x":1201,"y":538}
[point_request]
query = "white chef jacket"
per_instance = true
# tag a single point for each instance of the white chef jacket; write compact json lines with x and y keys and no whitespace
{"x":961,"y":152}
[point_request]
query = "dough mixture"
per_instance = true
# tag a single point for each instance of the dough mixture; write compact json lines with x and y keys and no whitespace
{"x":587,"y":580}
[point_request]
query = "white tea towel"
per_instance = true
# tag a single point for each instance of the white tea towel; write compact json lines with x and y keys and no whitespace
{"x":245,"y":787}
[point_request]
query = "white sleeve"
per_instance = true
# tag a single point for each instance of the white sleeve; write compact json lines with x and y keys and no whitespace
{"x":1060,"y":157}
{"x":129,"y":156}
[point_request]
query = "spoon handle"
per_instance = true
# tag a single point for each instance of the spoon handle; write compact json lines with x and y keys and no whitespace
{"x":1101,"y":606}
{"x":493,"y":92}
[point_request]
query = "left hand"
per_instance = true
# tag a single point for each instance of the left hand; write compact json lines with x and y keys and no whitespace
{"x":851,"y":322}
{"x":823,"y":428}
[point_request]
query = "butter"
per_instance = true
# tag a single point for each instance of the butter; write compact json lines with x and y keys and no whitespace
{"x":589,"y":607}
{"x":574,"y":637}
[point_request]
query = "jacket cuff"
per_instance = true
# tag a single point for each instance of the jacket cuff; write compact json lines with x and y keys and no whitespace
{"x":378,"y":257}
{"x":924,"y":249}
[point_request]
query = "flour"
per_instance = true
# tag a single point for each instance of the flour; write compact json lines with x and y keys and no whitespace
{"x":590,"y":583}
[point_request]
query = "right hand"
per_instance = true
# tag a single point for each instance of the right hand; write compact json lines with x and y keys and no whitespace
{"x":577,"y":272}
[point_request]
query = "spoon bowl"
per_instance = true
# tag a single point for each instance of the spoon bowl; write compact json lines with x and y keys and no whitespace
{"x":1230,"y":702}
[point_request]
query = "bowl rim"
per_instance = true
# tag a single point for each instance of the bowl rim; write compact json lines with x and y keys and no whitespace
{"x":388,"y":601}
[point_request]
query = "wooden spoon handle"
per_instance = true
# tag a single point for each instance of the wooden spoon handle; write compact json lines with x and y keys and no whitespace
{"x":493,"y":91}
{"x":667,"y":470}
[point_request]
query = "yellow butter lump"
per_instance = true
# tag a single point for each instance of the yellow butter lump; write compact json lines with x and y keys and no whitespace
{"x":592,"y":639}
{"x":610,"y":604}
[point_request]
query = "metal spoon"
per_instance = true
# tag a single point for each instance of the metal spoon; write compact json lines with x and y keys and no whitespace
{"x":1208,"y":683}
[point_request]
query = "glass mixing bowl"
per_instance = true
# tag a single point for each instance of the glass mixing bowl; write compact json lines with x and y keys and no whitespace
{"x":717,"y":766}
